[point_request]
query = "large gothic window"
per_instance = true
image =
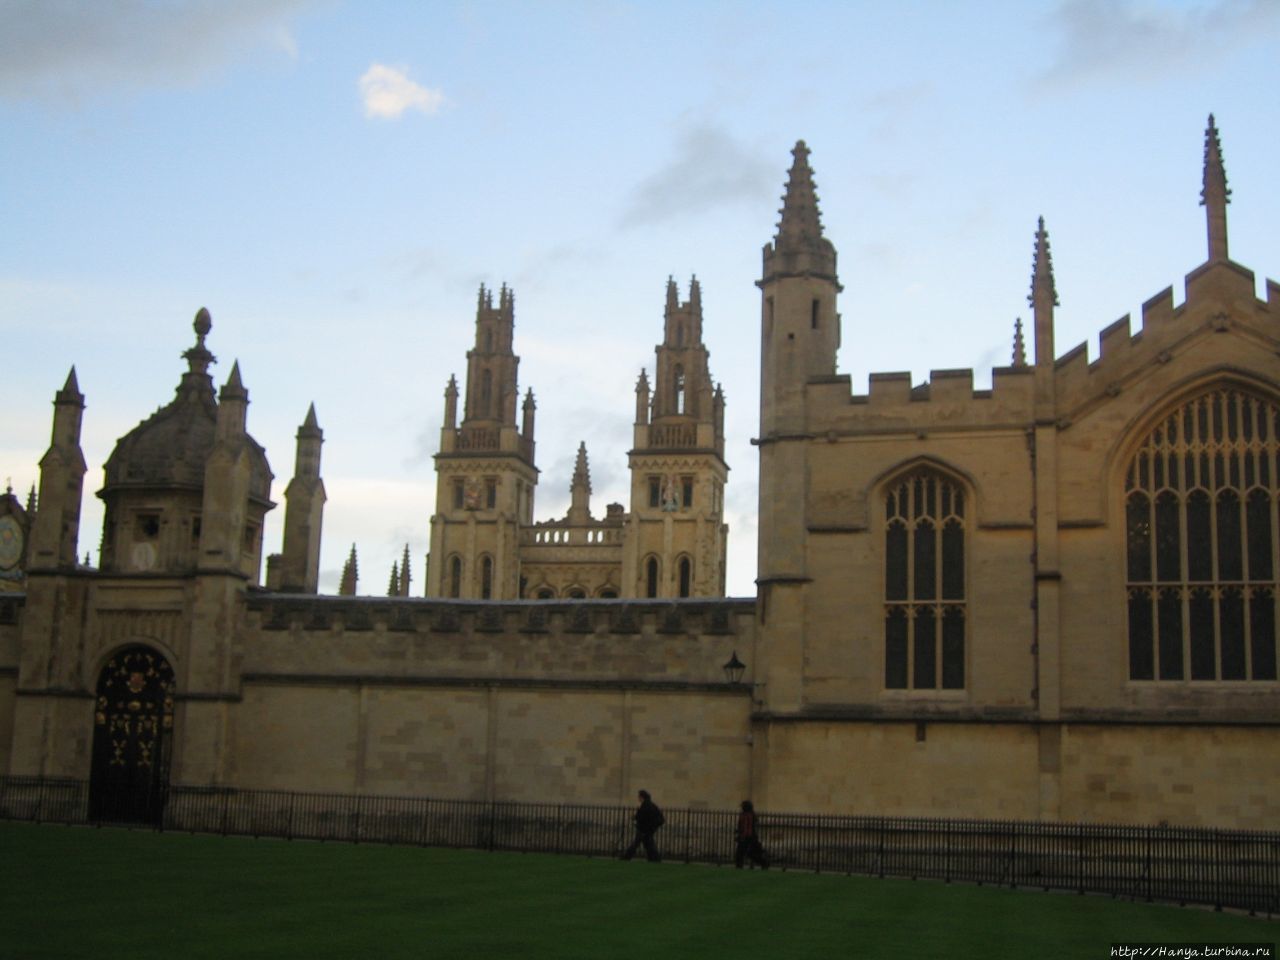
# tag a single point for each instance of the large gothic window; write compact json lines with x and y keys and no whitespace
{"x":924,"y":583}
{"x":1201,"y":542}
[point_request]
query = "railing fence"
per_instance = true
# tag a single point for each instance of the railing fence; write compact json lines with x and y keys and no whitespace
{"x":1222,"y":868}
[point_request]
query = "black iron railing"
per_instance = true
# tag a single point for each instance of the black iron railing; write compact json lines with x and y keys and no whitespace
{"x":1223,"y":868}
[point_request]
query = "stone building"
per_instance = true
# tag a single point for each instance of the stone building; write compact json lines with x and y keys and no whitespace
{"x":1052,"y":599}
{"x":672,"y":543}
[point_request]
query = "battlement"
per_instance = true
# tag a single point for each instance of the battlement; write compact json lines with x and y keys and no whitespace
{"x":1218,"y":296}
{"x":893,"y":402}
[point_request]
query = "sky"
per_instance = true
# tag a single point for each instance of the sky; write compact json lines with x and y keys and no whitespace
{"x":334,"y":181}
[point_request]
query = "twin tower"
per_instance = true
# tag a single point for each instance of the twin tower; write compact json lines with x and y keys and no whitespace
{"x":485,"y":544}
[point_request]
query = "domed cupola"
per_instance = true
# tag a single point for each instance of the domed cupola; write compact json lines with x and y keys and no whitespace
{"x":154,"y":482}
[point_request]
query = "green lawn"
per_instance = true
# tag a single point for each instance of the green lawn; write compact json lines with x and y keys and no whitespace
{"x":69,"y":892}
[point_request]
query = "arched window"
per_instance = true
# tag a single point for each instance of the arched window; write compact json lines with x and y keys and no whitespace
{"x":924,"y":583}
{"x":576,"y":593}
{"x":546,"y":593}
{"x":1201,"y":542}
{"x":686,"y":576}
{"x":455,"y":576}
{"x":678,"y":384}
{"x":651,"y":577}
{"x":486,"y":578}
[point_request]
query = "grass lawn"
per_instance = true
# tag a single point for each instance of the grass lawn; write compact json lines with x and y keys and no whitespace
{"x":70,"y":892}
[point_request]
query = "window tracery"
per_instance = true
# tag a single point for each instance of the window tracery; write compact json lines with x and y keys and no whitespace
{"x":1201,"y":542}
{"x":924,"y":583}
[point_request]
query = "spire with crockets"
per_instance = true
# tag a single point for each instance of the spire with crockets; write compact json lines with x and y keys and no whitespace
{"x":1043,"y":297}
{"x":1214,"y":194}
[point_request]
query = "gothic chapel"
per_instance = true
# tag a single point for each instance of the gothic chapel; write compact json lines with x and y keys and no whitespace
{"x":1054,"y":599}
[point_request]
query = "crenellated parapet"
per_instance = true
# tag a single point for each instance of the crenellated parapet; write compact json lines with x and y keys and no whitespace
{"x":1219,"y":296}
{"x":893,"y":403}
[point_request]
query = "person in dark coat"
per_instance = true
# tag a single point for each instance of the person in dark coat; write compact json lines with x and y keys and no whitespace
{"x":648,"y":819}
{"x":748,"y":839}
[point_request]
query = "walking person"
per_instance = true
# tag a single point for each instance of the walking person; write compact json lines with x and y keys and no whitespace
{"x":748,"y":839}
{"x":648,"y":819}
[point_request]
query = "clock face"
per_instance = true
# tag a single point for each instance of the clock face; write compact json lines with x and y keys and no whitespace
{"x":10,"y":543}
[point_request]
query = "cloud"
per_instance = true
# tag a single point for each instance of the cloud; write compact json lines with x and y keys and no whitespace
{"x":388,"y":92}
{"x":710,"y":169}
{"x":1106,"y":39}
{"x":70,"y":50}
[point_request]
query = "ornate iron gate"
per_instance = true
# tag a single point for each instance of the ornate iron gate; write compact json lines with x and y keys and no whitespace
{"x":132,"y":737}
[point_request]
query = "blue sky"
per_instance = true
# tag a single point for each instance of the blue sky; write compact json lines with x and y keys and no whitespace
{"x":334,"y":181}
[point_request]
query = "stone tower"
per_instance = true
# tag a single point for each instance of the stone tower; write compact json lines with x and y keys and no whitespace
{"x":800,"y":334}
{"x":485,"y":473}
{"x":297,"y":568}
{"x":676,"y":538}
{"x":55,"y":529}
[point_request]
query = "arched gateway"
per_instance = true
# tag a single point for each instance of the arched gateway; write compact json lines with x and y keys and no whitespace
{"x":132,"y":737}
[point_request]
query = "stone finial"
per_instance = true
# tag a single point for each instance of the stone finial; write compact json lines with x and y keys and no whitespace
{"x":405,"y":576}
{"x":31,"y":502}
{"x":673,"y":295}
{"x":393,"y":587}
{"x":198,"y":357}
{"x":1214,"y":193}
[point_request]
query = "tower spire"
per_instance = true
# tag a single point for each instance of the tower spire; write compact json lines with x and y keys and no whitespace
{"x":1043,"y":297}
{"x":801,"y":223}
{"x":580,"y":488}
{"x":405,"y":577}
{"x":350,"y":575}
{"x":1214,"y":193}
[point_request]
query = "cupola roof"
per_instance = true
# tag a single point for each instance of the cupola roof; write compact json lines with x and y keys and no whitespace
{"x":170,"y":448}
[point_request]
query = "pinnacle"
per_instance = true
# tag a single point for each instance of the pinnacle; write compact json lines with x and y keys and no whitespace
{"x":1042,"y":269}
{"x":234,"y":388}
{"x":1019,"y":345}
{"x":1215,"y":175}
{"x":581,"y":471}
{"x":310,"y":421}
{"x":801,"y":221}
{"x":70,"y":392}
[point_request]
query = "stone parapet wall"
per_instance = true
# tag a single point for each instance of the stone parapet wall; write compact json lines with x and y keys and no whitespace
{"x":611,"y":641}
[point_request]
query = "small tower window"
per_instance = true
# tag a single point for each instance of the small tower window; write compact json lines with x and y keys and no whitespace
{"x":459,"y":493}
{"x":679,"y":389}
{"x":686,"y":491}
{"x":813,"y":313}
{"x":455,"y":576}
{"x":490,"y":492}
{"x":651,"y":577}
{"x":679,"y":334}
{"x":486,"y":578}
{"x":686,"y":576}
{"x":486,"y":392}
{"x":655,"y":491}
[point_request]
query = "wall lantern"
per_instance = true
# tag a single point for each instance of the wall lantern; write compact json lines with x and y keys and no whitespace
{"x":734,"y":669}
